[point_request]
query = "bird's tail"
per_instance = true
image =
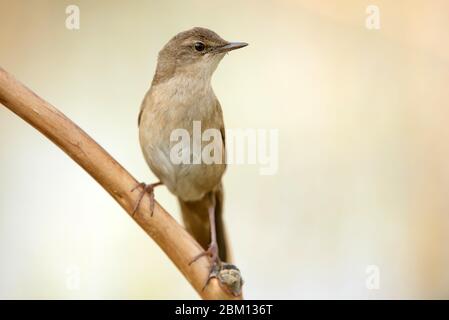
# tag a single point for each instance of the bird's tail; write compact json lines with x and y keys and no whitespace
{"x":195,"y":215}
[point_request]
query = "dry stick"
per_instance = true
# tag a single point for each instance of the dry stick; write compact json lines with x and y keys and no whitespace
{"x":174,"y":240}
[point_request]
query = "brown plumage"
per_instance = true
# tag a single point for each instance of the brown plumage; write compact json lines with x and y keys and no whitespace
{"x":180,"y":94}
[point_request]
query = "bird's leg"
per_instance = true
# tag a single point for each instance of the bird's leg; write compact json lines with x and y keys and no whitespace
{"x":147,"y":188}
{"x":212,"y":250}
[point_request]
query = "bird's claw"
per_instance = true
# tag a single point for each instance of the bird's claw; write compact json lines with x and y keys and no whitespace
{"x":213,"y":273}
{"x":212,"y":252}
{"x":227,"y":274}
{"x":147,"y":188}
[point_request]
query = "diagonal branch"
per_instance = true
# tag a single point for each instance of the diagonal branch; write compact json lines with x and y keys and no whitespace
{"x":173,"y":239}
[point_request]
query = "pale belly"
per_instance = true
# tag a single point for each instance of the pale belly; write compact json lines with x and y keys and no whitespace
{"x":189,"y":181}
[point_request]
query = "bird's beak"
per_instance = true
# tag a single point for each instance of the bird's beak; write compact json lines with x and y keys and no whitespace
{"x":230,"y":46}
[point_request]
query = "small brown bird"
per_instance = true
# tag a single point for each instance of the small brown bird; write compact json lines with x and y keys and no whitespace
{"x":180,"y":94}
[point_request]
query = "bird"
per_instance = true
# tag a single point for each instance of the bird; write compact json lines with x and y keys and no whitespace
{"x":181,"y":94}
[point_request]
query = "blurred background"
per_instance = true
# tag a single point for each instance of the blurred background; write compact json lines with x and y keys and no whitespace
{"x":359,"y":207}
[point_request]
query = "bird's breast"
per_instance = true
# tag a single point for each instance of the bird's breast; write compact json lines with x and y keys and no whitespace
{"x":172,"y":107}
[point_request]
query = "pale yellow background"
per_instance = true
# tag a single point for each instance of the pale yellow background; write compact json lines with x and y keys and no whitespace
{"x":363,"y":153}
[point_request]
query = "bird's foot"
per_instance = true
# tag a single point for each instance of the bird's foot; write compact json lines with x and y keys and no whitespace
{"x":228,"y":276}
{"x":216,"y":263}
{"x":146,"y":188}
{"x":212,"y":252}
{"x":213,"y":272}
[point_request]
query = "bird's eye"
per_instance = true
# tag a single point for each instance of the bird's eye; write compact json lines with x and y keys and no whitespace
{"x":199,"y":46}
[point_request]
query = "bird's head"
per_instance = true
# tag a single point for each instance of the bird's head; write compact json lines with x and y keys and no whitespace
{"x":195,"y":53}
